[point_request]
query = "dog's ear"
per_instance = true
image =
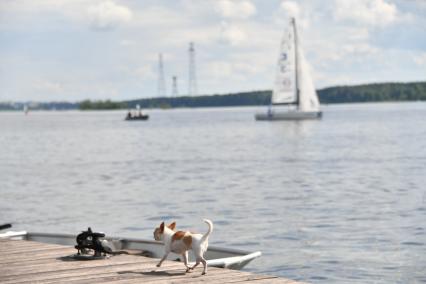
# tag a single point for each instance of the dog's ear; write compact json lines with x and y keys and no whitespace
{"x":172,"y":226}
{"x":162,"y":227}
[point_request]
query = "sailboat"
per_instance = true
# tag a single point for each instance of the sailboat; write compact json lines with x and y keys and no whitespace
{"x":26,"y":109}
{"x":294,"y":96}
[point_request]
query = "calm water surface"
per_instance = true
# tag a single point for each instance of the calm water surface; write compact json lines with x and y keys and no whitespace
{"x":339,"y":200}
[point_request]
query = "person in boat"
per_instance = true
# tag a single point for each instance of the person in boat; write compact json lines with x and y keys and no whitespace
{"x":129,"y":115}
{"x":269,"y":111}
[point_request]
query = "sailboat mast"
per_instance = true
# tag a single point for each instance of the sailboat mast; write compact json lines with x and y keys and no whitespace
{"x":293,"y":21}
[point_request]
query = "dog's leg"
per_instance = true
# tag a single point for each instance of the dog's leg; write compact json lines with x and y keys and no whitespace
{"x":163,"y":259}
{"x":196,"y":263}
{"x":205,"y":266}
{"x":185,"y":261}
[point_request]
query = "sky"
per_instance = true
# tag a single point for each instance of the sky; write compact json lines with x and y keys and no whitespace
{"x":71,"y":50}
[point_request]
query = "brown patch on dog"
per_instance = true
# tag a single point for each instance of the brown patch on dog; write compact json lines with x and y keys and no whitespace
{"x":187,"y":240}
{"x":158,"y":232}
{"x":172,"y":226}
{"x":178,"y":235}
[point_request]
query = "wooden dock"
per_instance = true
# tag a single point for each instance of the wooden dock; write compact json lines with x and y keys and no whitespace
{"x":33,"y":262}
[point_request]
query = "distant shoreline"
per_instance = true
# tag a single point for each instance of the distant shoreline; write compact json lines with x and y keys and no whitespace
{"x":379,"y":92}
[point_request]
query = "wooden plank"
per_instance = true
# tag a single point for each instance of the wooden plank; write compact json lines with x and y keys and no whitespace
{"x":276,"y":280}
{"x":131,"y":274}
{"x":84,"y":273}
{"x":29,"y":250}
{"x":63,"y":265}
{"x":30,"y":246}
{"x":157,"y":275}
{"x":219,"y":278}
{"x":7,"y":248}
{"x":14,"y":250}
{"x":34,"y":256}
{"x":24,"y":243}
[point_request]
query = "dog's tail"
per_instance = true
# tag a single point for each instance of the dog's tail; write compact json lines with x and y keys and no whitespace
{"x":206,"y":235}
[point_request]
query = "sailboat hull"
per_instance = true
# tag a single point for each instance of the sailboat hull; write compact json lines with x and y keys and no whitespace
{"x":290,"y":115}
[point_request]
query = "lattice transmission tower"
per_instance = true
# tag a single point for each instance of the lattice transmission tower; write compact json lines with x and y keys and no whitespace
{"x":161,"y":91}
{"x":192,"y":79}
{"x":175,"y":92}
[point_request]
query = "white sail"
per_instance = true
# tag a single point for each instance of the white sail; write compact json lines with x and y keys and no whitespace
{"x":285,"y":80}
{"x":293,"y":83}
{"x":308,"y":98}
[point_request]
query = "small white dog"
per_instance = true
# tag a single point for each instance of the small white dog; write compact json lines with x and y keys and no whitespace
{"x":180,"y":242}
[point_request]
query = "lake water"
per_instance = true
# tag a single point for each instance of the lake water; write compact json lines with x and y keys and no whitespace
{"x":339,"y":200}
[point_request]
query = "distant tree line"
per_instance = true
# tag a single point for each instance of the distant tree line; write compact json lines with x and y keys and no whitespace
{"x":342,"y":94}
{"x":19,"y":106}
{"x":238,"y":99}
{"x":374,"y":93}
{"x":101,"y":105}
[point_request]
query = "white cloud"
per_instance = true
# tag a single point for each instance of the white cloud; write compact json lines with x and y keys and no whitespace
{"x":226,"y":71}
{"x":49,"y":86}
{"x":220,"y":69}
{"x":232,"y":34}
{"x":126,"y":42}
{"x":238,"y":9}
{"x":291,"y":9}
{"x":247,"y":68}
{"x":145,"y":72}
{"x":365,"y":12}
{"x":361,"y":48}
{"x":420,"y":59}
{"x":302,"y":12}
{"x":108,"y":15}
{"x":343,"y":50}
